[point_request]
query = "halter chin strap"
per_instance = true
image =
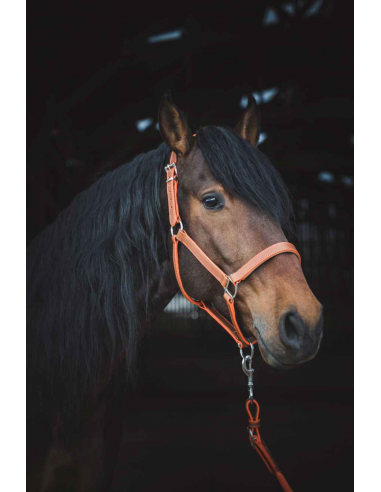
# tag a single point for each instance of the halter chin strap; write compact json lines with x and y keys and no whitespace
{"x":229,"y":282}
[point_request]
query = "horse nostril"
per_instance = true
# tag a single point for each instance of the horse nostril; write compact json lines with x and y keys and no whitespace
{"x":292,"y":330}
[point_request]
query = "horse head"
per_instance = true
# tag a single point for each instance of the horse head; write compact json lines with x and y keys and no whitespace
{"x":234,"y":204}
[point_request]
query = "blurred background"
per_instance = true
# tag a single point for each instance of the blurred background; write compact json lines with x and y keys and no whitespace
{"x":96,"y":73}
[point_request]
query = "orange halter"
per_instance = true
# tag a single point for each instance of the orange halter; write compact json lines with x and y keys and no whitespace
{"x":228,"y":282}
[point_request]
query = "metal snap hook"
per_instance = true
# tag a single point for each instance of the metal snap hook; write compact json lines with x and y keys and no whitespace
{"x":247,"y":357}
{"x":247,"y":368}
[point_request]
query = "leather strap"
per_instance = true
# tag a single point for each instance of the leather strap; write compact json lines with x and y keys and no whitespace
{"x":217,"y":273}
{"x":262,"y":257}
{"x":174,"y":216}
{"x":261,"y":448}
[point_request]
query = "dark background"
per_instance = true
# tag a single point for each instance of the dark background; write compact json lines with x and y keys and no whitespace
{"x":92,"y":75}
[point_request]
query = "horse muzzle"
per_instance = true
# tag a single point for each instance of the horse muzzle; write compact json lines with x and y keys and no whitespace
{"x":295,"y":343}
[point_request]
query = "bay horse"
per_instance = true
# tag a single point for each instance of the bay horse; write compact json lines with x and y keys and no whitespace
{"x":102,"y":272}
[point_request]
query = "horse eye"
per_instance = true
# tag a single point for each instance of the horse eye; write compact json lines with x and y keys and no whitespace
{"x":211,"y":202}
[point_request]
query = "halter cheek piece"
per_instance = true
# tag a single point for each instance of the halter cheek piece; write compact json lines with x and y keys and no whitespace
{"x":229,"y":282}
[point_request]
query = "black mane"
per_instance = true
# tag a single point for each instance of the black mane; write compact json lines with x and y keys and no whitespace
{"x":85,"y":269}
{"x":83,"y":273}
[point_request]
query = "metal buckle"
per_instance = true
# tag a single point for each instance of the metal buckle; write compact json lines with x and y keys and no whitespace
{"x":232,"y":296}
{"x":168,"y":167}
{"x":181,"y":228}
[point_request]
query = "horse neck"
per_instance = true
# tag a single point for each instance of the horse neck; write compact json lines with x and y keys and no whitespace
{"x":65,"y":284}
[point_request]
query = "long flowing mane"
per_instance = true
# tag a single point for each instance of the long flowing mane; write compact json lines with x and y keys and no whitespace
{"x":85,"y":270}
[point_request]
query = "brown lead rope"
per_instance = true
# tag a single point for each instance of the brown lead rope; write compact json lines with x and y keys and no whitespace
{"x":254,"y":423}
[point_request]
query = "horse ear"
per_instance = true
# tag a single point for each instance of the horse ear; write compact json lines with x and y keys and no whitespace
{"x":173,"y":126}
{"x":249,"y":127}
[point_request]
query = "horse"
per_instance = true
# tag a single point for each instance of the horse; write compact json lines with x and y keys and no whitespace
{"x":100,"y":275}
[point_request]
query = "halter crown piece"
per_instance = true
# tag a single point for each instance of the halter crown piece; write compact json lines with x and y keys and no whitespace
{"x":230,"y":285}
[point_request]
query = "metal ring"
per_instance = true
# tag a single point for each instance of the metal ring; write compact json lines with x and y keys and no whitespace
{"x":232,"y":296}
{"x":181,"y":228}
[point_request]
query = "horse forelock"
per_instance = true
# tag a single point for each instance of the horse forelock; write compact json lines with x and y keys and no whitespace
{"x":245,"y":172}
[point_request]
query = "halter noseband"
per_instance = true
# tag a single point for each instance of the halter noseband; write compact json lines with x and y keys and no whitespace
{"x":229,"y":282}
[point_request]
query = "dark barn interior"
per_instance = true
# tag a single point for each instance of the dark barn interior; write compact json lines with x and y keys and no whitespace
{"x":96,"y":75}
